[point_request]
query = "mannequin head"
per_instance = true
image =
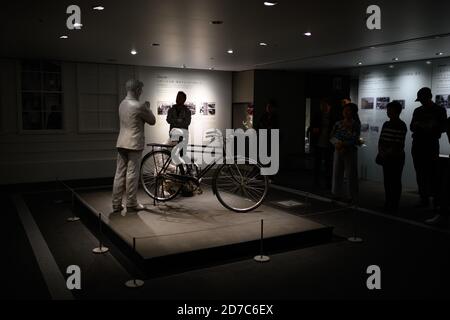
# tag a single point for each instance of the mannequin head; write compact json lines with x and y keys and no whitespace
{"x":181,"y":98}
{"x":134,"y":88}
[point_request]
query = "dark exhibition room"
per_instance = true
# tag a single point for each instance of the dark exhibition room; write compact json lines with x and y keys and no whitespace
{"x":218,"y":158}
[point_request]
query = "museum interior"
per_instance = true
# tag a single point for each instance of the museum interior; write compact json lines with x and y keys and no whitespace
{"x":343,"y":192}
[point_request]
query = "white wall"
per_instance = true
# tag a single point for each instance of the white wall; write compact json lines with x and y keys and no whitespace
{"x":162,"y":85}
{"x":399,"y":83}
{"x":71,"y":154}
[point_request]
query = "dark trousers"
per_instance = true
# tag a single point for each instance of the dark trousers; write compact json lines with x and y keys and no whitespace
{"x":393,"y":183}
{"x":325,"y":156}
{"x":426,"y":163}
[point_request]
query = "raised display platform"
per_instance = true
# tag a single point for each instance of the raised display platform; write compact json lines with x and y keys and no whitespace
{"x":199,"y":225}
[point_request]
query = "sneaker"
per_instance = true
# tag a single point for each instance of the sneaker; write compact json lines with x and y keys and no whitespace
{"x":117,"y":209}
{"x":137,"y":207}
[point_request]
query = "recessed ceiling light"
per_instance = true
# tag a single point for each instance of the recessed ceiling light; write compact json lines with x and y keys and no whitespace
{"x":133,"y":52}
{"x":428,"y":62}
{"x":308,"y":34}
{"x":395,"y":59}
{"x":440,"y":54}
{"x":230,"y":51}
{"x":64,"y":37}
{"x":98,"y":8}
{"x":263,"y":44}
{"x":359,"y":63}
{"x":270,"y":3}
{"x":392,"y":66}
{"x":216,"y":22}
{"x":77,"y":25}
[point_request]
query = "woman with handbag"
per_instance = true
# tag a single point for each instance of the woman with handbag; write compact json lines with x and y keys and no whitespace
{"x":391,"y":155}
{"x":346,"y":138}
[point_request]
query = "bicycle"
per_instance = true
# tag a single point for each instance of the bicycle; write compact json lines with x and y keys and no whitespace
{"x":237,"y":184}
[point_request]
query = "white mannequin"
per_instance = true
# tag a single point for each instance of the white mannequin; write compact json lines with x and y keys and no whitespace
{"x":131,"y":141}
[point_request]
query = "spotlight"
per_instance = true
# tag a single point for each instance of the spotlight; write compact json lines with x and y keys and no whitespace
{"x":263,"y":44}
{"x":359,"y":63}
{"x":133,"y":52}
{"x":391,"y":66}
{"x":308,"y":34}
{"x":270,"y":3}
{"x":440,"y":54}
{"x":98,"y":8}
{"x":428,"y":62}
{"x":230,"y":51}
{"x":64,"y":37}
{"x":395,"y":59}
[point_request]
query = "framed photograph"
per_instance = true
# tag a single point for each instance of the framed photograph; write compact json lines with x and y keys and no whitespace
{"x":367,"y":103}
{"x":382,"y":103}
{"x":442,"y":100}
{"x":163,"y":107}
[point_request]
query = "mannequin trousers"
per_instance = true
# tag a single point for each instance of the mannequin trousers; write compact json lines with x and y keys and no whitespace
{"x":345,"y":165}
{"x":126,"y":179}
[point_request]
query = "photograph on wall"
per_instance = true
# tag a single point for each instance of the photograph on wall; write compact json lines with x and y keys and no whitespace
{"x":402,"y":102}
{"x":208,"y":109}
{"x":192,"y":107}
{"x":382,"y":103}
{"x":367,"y":103}
{"x":163,"y":108}
{"x":442,"y":100}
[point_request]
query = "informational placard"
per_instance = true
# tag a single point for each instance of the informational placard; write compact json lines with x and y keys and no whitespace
{"x":208,"y":98}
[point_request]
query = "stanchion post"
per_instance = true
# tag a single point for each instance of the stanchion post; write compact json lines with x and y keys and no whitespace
{"x":261,"y":258}
{"x":101,"y":249}
{"x":134,"y":283}
{"x":74,"y":217}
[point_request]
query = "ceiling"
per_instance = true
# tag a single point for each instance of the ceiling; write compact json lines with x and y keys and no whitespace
{"x":340,"y":39}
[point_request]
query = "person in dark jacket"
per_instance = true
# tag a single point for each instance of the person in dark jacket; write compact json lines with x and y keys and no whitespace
{"x":391,"y":155}
{"x":179,"y":116}
{"x":427,"y":125}
{"x":322,"y":123}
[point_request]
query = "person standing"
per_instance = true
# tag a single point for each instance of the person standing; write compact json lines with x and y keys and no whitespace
{"x":391,"y":155}
{"x":322,"y":123}
{"x":132,"y":115}
{"x":442,"y":217}
{"x":427,"y":125}
{"x":345,"y":137}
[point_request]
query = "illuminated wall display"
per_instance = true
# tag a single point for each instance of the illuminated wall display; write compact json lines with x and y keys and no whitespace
{"x":378,"y":86}
{"x":208,"y":98}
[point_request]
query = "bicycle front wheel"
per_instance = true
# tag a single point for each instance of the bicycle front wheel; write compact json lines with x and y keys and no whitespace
{"x":154,"y":169}
{"x":240,"y":187}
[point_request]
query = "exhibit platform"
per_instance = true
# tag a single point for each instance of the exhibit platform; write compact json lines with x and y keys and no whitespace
{"x":199,"y":228}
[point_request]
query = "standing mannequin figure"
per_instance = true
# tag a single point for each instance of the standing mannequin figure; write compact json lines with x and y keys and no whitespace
{"x":133,"y":115}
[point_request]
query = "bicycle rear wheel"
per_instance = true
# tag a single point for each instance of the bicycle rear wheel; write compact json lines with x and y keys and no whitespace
{"x":154,"y":169}
{"x":240,"y":187}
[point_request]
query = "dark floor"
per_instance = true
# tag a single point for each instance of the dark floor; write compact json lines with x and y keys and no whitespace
{"x":414,"y":259}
